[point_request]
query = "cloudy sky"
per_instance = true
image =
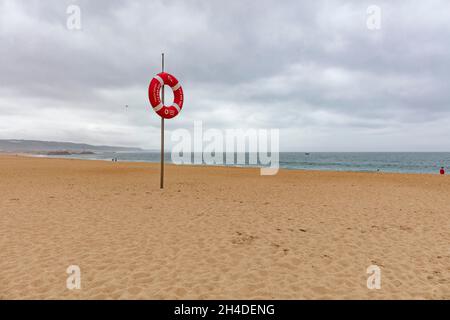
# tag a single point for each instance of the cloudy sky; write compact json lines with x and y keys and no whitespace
{"x":320,"y":71}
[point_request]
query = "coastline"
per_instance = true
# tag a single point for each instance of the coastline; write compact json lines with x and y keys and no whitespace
{"x":219,"y":232}
{"x":219,"y":166}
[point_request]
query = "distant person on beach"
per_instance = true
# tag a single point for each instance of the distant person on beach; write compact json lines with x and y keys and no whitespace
{"x":442,"y":171}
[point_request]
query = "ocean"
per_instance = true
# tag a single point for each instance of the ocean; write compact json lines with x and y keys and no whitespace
{"x":400,"y":162}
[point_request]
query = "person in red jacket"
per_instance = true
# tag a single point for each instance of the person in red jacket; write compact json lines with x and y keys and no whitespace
{"x":442,"y":171}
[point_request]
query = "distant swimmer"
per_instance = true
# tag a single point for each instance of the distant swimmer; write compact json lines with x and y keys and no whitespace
{"x":442,"y":171}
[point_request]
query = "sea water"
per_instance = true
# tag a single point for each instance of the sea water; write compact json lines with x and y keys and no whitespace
{"x":400,"y":162}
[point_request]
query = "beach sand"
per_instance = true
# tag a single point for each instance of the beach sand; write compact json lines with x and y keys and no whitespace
{"x":219,"y":233}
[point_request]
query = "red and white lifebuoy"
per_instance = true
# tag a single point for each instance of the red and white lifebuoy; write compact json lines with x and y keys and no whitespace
{"x":154,"y":89}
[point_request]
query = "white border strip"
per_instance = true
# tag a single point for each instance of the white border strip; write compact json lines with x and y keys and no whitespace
{"x":160,"y":80}
{"x":158,"y":107}
{"x":176,"y":107}
{"x":176,"y":87}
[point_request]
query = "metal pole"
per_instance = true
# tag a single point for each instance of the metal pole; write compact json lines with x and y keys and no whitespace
{"x":161,"y":182}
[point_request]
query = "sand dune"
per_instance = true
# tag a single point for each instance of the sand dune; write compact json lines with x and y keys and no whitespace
{"x":218,"y":233}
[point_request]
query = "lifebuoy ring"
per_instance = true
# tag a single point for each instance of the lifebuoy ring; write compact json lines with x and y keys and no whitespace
{"x":154,"y":90}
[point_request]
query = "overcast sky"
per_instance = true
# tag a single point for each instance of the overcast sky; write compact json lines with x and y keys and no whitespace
{"x":313,"y":69}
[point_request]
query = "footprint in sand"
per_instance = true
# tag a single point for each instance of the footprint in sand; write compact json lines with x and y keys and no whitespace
{"x":243,"y":239}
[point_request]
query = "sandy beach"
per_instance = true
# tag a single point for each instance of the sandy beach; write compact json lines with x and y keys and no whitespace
{"x":219,"y":233}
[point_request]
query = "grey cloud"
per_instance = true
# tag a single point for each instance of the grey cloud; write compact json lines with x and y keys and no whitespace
{"x":312,"y":68}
